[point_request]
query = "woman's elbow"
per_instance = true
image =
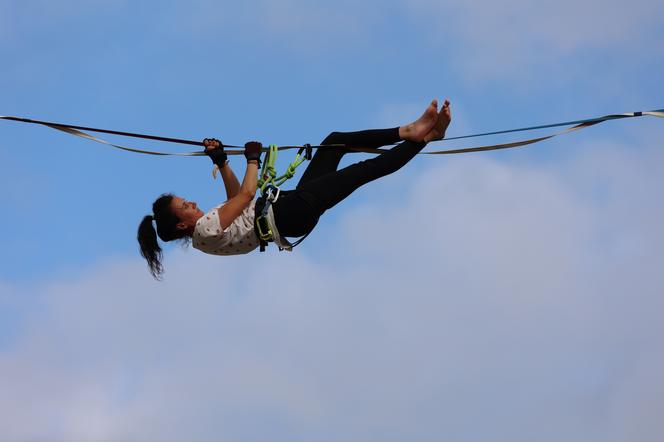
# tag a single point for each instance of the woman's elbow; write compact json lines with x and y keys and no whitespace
{"x":249,"y":193}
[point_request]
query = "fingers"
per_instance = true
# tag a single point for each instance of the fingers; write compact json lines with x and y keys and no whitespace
{"x":211,"y":143}
{"x":253,"y":145}
{"x":253,"y":150}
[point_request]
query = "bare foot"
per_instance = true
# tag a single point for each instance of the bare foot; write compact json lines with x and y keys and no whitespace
{"x":417,"y":130}
{"x":444,"y":119}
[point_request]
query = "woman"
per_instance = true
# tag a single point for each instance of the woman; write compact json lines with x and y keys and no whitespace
{"x":230,"y":228}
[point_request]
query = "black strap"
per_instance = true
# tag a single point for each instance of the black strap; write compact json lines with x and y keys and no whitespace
{"x":258,"y":211}
{"x":308,"y":154}
{"x":655,"y":113}
{"x":301,"y":239}
{"x":579,"y":124}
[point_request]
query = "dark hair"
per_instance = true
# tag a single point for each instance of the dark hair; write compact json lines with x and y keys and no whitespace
{"x":166,"y":229}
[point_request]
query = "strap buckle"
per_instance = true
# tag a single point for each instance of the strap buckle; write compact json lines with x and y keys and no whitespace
{"x":264,"y":231}
{"x":307,"y":151}
{"x":271,"y":194}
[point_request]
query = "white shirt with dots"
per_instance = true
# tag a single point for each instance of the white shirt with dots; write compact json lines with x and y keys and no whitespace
{"x":237,"y":239}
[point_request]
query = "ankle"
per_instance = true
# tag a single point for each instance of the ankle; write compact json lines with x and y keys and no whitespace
{"x":404,"y":131}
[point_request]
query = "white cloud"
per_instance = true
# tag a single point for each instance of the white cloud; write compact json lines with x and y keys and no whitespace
{"x":518,"y":38}
{"x":593,"y":43}
{"x":507,"y":294}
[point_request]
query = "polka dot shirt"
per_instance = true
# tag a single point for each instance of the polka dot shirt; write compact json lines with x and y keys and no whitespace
{"x":237,"y":239}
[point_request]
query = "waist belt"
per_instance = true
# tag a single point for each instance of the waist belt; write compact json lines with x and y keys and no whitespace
{"x":264,"y":224}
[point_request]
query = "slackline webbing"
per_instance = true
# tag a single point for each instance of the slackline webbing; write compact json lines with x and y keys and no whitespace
{"x":238,"y":150}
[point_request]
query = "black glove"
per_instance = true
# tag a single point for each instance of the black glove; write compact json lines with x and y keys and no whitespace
{"x":253,"y":150}
{"x":215,"y":150}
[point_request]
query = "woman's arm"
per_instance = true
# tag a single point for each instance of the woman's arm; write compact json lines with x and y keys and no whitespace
{"x":215,"y":150}
{"x":245,"y":195}
{"x":231,"y":183}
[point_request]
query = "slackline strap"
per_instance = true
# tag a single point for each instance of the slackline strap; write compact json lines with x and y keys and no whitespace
{"x":239,"y":150}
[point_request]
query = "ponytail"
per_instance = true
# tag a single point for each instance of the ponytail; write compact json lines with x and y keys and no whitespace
{"x":167,"y":230}
{"x":150,"y":250}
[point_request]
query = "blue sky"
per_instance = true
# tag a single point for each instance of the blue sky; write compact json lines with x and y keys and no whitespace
{"x":517,"y":289}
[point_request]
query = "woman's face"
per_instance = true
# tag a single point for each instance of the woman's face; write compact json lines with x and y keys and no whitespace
{"x":187,"y":211}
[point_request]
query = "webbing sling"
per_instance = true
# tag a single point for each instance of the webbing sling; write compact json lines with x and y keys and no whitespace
{"x":238,"y":150}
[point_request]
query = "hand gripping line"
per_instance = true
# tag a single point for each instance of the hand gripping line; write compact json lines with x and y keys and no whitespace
{"x":238,"y":150}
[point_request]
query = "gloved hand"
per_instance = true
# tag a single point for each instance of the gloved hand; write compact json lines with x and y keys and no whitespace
{"x":253,"y":150}
{"x":215,"y":150}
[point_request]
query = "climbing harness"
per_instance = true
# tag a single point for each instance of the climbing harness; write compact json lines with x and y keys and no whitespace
{"x":268,"y":184}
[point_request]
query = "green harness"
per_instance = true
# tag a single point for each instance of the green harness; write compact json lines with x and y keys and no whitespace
{"x":269,"y":172}
{"x":268,"y":184}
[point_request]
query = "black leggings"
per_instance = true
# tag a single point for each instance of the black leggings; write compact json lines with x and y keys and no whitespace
{"x":322,"y":186}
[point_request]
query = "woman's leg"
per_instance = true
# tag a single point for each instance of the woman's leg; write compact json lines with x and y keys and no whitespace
{"x":327,"y":160}
{"x":297,"y":212}
{"x":331,"y":188}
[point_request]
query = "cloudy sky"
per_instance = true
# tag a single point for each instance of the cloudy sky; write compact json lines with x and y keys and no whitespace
{"x":506,"y":296}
